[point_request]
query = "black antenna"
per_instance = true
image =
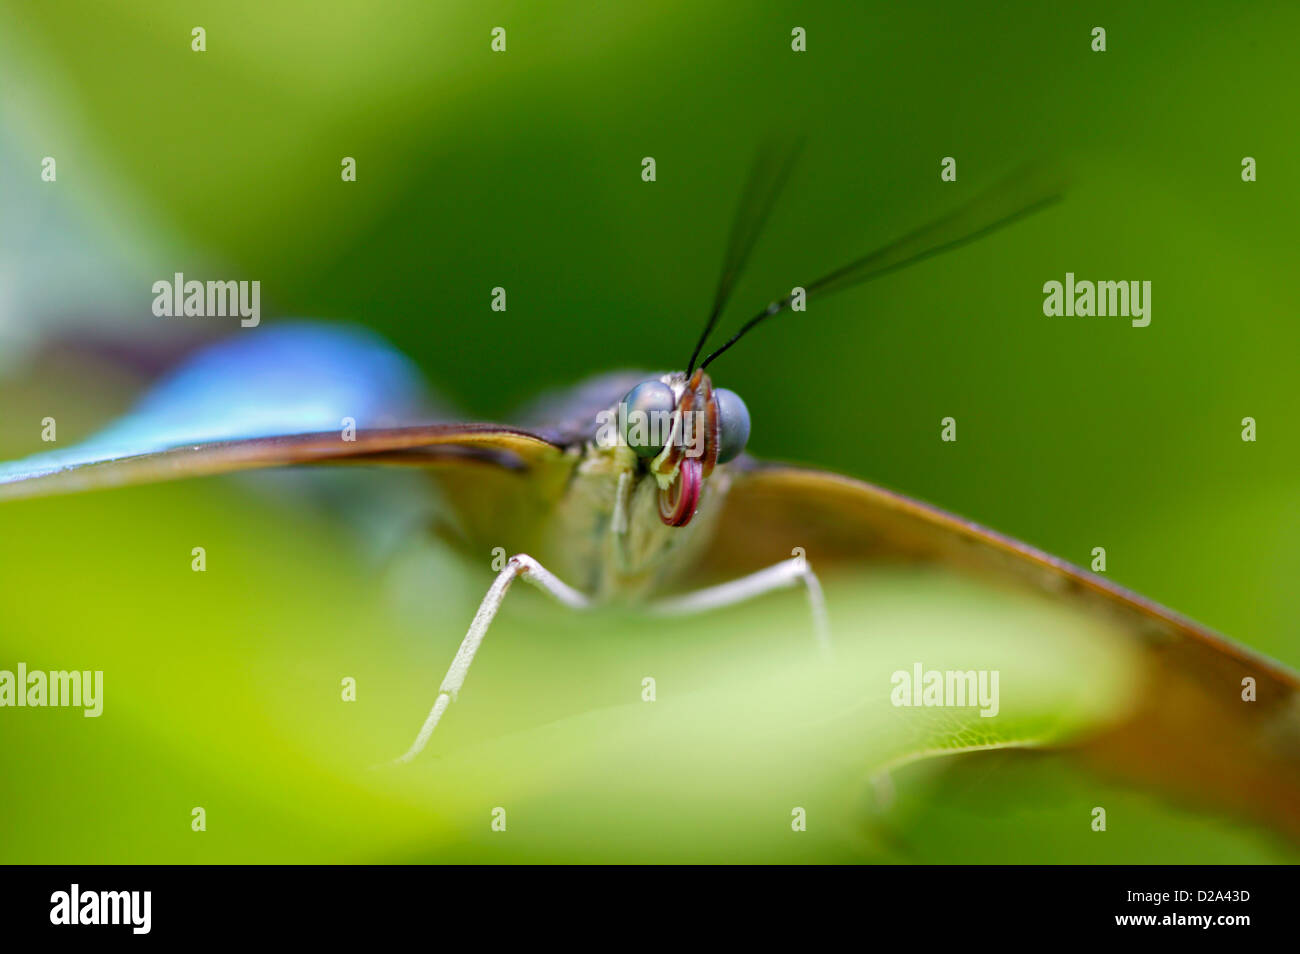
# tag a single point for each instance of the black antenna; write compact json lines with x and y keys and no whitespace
{"x":767,"y":177}
{"x":1026,"y":191}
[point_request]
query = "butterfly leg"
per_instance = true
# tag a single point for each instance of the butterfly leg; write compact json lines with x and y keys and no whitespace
{"x":519,"y":565}
{"x":785,"y":574}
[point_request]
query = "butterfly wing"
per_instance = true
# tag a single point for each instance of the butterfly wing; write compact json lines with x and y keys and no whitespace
{"x":292,"y":394}
{"x":1191,"y":730}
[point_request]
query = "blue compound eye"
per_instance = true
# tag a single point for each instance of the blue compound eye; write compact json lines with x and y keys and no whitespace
{"x":733,"y":424}
{"x":645,"y":416}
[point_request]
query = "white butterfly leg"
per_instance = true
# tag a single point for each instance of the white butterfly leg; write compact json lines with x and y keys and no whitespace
{"x":785,"y":574}
{"x":782,"y":575}
{"x":519,"y":565}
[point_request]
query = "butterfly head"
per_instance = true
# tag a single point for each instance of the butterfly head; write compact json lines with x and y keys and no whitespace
{"x":681,"y":428}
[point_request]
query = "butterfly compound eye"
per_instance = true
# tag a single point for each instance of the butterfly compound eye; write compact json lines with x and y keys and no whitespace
{"x":733,"y":424}
{"x":646,"y":415}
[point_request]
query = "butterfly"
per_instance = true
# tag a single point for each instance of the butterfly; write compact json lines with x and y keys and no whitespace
{"x":636,"y":486}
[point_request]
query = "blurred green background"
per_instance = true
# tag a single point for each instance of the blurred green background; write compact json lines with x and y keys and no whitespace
{"x":522,"y":169}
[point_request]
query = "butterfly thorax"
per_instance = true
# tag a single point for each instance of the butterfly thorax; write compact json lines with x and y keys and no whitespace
{"x":624,"y":550}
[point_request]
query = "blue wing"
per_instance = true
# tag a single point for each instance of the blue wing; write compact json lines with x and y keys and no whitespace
{"x":276,"y":395}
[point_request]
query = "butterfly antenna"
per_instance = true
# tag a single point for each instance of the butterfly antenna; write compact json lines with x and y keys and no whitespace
{"x":1028,"y":190}
{"x":767,"y":177}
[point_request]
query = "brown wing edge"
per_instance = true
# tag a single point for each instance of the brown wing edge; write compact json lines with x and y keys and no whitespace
{"x":423,"y":445}
{"x":1191,"y":733}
